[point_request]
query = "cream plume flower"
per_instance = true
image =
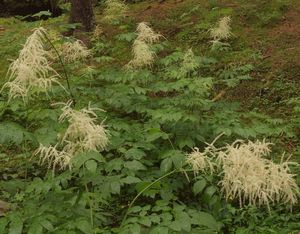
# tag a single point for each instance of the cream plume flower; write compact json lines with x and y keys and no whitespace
{"x":146,"y":34}
{"x":98,"y":32}
{"x":223,"y":31}
{"x":83,"y":128}
{"x":53,"y":157}
{"x":201,"y":161}
{"x":82,"y":135}
{"x":249,"y":177}
{"x":74,"y":51}
{"x":142,"y":53}
{"x":114,"y":10}
{"x":189,"y":62}
{"x":246,"y":175}
{"x":32,"y":68}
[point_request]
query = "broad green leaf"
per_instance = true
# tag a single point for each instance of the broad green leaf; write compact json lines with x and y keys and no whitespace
{"x":159,"y":230}
{"x":134,"y":165}
{"x":184,"y":219}
{"x":178,"y":160}
{"x":91,"y":166}
{"x":205,"y":219}
{"x":47,"y":225}
{"x":114,"y":164}
{"x":150,"y":192}
{"x":46,"y":136}
{"x":176,"y":226}
{"x":186,"y":142}
{"x":135,"y":229}
{"x":208,"y":193}
{"x":135,"y":154}
{"x":130,"y":180}
{"x":135,"y":209}
{"x":146,"y":221}
{"x":115,"y":187}
{"x":155,"y":218}
{"x":199,"y":186}
{"x":42,"y":13}
{"x":79,"y":159}
{"x":155,"y":133}
{"x":84,"y":226}
{"x":166,"y":165}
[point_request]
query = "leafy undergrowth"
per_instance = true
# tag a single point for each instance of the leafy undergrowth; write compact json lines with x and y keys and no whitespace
{"x":133,"y":174}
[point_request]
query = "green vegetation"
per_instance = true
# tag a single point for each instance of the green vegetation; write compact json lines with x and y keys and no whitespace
{"x":110,"y":146}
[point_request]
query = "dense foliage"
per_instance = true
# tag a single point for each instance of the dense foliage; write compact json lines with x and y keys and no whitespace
{"x":155,"y":113}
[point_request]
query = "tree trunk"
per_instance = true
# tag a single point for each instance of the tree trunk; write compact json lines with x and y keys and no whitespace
{"x":82,"y":12}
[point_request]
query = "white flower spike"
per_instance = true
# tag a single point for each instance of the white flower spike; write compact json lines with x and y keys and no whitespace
{"x":32,"y":68}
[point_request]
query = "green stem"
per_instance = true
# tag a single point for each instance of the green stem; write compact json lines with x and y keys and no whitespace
{"x":91,"y":207}
{"x":143,"y":190}
{"x":63,"y":67}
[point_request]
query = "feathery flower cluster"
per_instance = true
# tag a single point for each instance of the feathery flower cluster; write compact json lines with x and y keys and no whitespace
{"x":98,"y":32}
{"x":189,"y":62}
{"x":142,"y":53}
{"x":201,"y":161}
{"x":74,"y":51}
{"x":32,"y":69}
{"x":223,"y":31}
{"x":146,"y":34}
{"x":53,"y":157}
{"x":82,"y":134}
{"x":115,"y":10}
{"x":82,"y":130}
{"x":246,"y":174}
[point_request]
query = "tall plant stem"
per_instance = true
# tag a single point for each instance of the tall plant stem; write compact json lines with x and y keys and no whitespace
{"x":144,"y":189}
{"x":63,"y":67}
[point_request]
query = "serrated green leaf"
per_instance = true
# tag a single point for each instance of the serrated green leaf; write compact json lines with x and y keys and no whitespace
{"x":155,"y":133}
{"x":114,"y":164}
{"x":178,"y":160}
{"x":166,"y":165}
{"x":79,"y":159}
{"x":134,"y":165}
{"x":130,"y":180}
{"x":176,"y":225}
{"x":3,"y":224}
{"x":47,"y":225}
{"x":16,"y":225}
{"x":35,"y":227}
{"x":135,"y":209}
{"x":11,"y":133}
{"x":134,"y":154}
{"x":150,"y":192}
{"x":146,"y":221}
